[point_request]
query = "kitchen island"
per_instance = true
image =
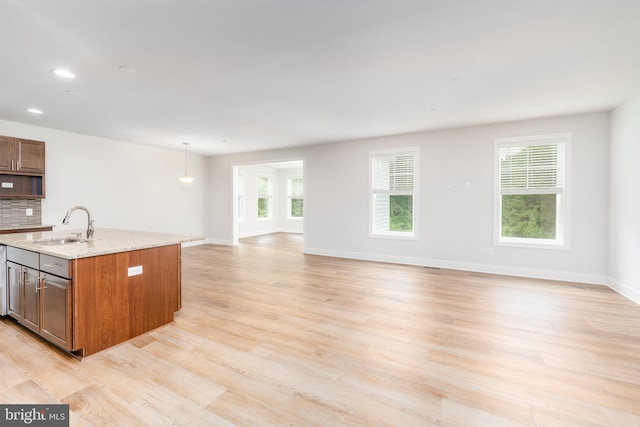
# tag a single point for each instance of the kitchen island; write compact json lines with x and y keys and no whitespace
{"x":86,"y":295}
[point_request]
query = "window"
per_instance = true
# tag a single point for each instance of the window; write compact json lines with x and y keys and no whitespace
{"x":265,"y":193}
{"x":393,"y":195}
{"x":294,"y":198}
{"x":532,"y":197}
{"x":241,"y":190}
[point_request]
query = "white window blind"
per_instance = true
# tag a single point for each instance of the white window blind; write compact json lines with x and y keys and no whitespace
{"x":393,"y":181}
{"x":532,"y":169}
{"x":265,"y":192}
{"x":264,"y":186}
{"x":393,"y":174}
{"x":295,"y":187}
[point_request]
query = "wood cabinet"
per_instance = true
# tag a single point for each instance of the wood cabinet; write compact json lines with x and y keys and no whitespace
{"x":113,"y":303}
{"x":86,"y":305}
{"x":21,"y":156}
{"x":22,"y":168}
{"x":21,"y":186}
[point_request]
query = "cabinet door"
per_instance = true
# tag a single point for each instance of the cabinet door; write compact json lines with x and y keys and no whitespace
{"x":31,"y":295}
{"x":30,"y":156}
{"x":55,"y":321}
{"x":7,"y":153}
{"x":14,"y":286}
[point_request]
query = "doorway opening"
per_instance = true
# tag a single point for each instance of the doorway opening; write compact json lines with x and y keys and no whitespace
{"x":269,"y":199}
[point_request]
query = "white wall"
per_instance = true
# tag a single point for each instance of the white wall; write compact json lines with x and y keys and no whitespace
{"x":124,"y":185}
{"x":455,"y":225}
{"x":134,"y":186}
{"x":624,"y":199}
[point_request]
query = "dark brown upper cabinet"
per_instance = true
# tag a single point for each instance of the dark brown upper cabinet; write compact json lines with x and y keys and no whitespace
{"x":21,"y":168}
{"x":21,"y":156}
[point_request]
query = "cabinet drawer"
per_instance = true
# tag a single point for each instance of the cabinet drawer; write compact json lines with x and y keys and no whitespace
{"x":23,"y":257}
{"x":55,"y":265}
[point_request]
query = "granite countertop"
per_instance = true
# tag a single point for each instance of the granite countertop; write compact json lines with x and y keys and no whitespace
{"x":104,"y":241}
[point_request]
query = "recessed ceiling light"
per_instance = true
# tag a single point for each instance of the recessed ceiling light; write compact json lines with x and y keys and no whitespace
{"x":126,"y":69}
{"x":34,"y":110}
{"x":64,"y":73}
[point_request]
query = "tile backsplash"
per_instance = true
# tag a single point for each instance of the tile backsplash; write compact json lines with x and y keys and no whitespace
{"x":13,"y":212}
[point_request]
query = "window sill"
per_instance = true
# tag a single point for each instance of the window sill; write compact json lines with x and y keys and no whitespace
{"x":394,"y":236}
{"x":533,"y":244}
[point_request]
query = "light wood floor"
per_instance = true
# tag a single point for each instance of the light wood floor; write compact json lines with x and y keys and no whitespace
{"x":269,"y":336}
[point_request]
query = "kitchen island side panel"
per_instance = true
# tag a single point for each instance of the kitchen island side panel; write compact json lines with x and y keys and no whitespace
{"x":114,"y":301}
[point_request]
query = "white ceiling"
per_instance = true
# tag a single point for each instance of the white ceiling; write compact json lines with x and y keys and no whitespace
{"x":243,"y":75}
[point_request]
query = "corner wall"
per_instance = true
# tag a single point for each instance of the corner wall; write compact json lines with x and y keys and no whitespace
{"x":624,"y":200}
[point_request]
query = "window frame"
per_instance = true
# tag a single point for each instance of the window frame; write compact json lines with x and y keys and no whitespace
{"x":398,"y":235}
{"x":563,"y":198}
{"x":290,"y":197}
{"x":269,"y":197}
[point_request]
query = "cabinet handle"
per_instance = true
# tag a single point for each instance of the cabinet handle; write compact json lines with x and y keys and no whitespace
{"x":41,"y":285}
{"x":55,"y":264}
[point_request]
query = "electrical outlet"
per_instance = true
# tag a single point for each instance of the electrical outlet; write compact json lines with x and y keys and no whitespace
{"x":490,"y":251}
{"x":134,"y":271}
{"x":29,"y":212}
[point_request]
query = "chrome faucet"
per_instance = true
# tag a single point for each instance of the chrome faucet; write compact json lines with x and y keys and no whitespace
{"x":90,"y":228}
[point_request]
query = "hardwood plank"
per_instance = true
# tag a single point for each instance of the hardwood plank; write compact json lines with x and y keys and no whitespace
{"x":270,"y":336}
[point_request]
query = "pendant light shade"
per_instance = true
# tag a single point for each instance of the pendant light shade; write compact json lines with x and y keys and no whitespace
{"x":186,"y":178}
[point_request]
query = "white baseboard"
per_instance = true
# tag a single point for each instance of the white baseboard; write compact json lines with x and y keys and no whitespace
{"x":208,"y":241}
{"x":624,"y":290}
{"x":256,"y":233}
{"x":566,"y":276}
{"x":292,"y":230}
{"x":194,"y":243}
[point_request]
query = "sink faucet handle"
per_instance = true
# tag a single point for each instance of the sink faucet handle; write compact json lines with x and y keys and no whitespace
{"x":90,"y":229}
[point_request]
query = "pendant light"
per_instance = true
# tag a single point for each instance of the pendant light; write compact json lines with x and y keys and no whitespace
{"x":186,"y":178}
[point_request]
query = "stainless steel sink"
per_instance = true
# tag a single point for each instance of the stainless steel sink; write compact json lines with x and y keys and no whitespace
{"x":60,"y":241}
